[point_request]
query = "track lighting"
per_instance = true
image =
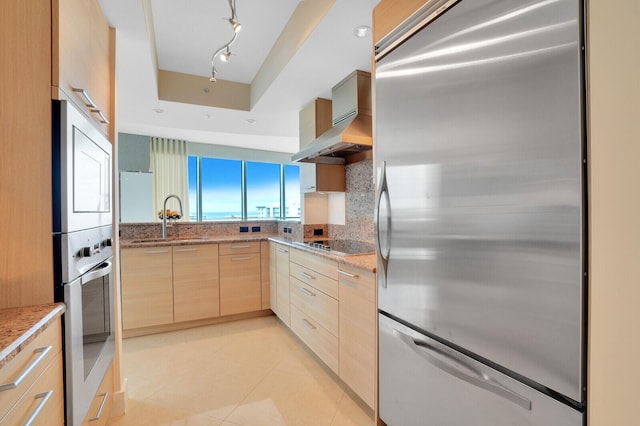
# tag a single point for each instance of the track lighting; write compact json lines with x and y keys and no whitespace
{"x":226,"y":56}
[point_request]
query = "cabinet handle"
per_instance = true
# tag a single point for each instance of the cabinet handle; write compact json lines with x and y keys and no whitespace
{"x":281,"y":250}
{"x":43,"y":353}
{"x":103,"y":119}
{"x":156,"y":251}
{"x":311,"y":277}
{"x":186,"y":250}
{"x":45,"y":398}
{"x":307,"y":292}
{"x":236,"y":259}
{"x":346,"y":274}
{"x":99,"y":413}
{"x":240,"y":247}
{"x":311,"y":326}
{"x":87,"y":99}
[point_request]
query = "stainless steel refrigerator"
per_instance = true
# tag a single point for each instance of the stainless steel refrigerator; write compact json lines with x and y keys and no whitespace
{"x":480,"y":154}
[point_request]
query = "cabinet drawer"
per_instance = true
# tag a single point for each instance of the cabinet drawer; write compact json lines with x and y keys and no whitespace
{"x":38,"y":353}
{"x":47,"y":393}
{"x":100,"y":407}
{"x":240,"y":248}
{"x":316,"y":304}
{"x":319,"y":340}
{"x":318,"y":264}
{"x":314,"y":279}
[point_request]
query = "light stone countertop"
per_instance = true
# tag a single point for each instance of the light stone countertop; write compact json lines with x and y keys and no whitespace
{"x":19,"y":326}
{"x":365,"y":262}
{"x":186,"y":241}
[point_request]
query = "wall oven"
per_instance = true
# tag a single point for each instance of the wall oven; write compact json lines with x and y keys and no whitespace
{"x":83,"y":253}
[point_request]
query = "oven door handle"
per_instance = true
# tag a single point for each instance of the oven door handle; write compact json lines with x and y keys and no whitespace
{"x":105,"y":269}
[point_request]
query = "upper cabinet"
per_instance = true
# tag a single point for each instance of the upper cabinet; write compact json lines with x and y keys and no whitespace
{"x":314,"y":120}
{"x":82,"y":59}
{"x":388,"y":14}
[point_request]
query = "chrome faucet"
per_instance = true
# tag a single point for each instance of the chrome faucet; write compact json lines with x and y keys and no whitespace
{"x":164,"y":213}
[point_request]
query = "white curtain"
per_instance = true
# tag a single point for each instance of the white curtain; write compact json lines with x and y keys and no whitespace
{"x":170,"y":174}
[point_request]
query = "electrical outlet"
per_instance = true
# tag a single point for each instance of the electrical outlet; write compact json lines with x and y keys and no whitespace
{"x":244,"y":229}
{"x":255,"y":229}
{"x":317,"y":231}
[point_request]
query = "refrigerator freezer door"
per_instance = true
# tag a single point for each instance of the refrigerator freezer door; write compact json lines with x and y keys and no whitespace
{"x":423,"y":382}
{"x":479,"y":133}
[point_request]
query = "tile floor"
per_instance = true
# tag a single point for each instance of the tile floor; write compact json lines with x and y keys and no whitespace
{"x":250,"y":373}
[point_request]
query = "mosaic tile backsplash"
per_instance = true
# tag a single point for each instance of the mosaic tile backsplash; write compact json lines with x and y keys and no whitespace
{"x":359,"y":204}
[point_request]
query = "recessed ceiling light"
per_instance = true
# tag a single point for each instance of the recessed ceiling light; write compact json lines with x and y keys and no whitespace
{"x":158,"y":110}
{"x":250,"y":121}
{"x":362,"y":31}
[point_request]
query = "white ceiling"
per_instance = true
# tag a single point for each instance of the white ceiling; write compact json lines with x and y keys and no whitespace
{"x":186,"y":35}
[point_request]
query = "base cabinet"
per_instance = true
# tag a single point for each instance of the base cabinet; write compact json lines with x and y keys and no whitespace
{"x":38,"y":399}
{"x":196,"y":289}
{"x":357,"y":318}
{"x":163,"y":285}
{"x":100,"y":407}
{"x":279,"y":276}
{"x":332,"y":309}
{"x":147,"y":287}
{"x":240,"y":284}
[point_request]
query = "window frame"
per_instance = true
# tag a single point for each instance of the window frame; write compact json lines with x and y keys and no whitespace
{"x":243,"y":187}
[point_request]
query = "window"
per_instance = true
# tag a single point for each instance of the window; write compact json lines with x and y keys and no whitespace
{"x":222,"y":189}
{"x":291,"y":191}
{"x":263,"y":190}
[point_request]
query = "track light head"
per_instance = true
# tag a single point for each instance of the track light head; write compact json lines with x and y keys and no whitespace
{"x":235,"y":25}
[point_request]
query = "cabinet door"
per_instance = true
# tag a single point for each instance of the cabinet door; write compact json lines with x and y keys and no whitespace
{"x":282,"y":278}
{"x":240,"y":289}
{"x":357,"y":322}
{"x":71,"y":46}
{"x":388,"y":14}
{"x":273,"y":249}
{"x":147,"y":288}
{"x":322,"y":178}
{"x":81,"y":55}
{"x":195,"y":282}
{"x":100,"y":63}
{"x":265,"y":274}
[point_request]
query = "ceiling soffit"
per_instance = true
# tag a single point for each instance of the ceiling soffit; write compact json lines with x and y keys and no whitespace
{"x":198,"y":90}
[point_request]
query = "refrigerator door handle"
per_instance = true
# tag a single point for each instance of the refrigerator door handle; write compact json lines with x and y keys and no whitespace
{"x":383,"y":255}
{"x":480,"y":379}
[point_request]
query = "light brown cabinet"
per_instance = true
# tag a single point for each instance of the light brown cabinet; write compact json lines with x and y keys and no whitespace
{"x":163,"y":285}
{"x":240,"y":284}
{"x":25,"y":163}
{"x":41,"y":387}
{"x":314,"y":120}
{"x":314,"y":304}
{"x":100,"y":407}
{"x":279,"y":269}
{"x":389,"y":14}
{"x":265,"y":274}
{"x":357,"y":320}
{"x":147,"y":287}
{"x":196,"y":289}
{"x":82,"y":58}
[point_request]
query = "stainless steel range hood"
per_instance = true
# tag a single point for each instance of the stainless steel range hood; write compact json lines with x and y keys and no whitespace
{"x":351,"y":131}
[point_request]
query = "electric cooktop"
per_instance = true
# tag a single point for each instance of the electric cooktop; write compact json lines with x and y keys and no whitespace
{"x":340,"y":247}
